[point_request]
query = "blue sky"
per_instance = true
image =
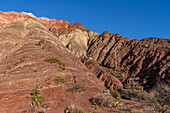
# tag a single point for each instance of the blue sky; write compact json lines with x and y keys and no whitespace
{"x":131,"y":18}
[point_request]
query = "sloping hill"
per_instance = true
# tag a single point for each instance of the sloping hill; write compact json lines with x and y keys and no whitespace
{"x":24,"y":49}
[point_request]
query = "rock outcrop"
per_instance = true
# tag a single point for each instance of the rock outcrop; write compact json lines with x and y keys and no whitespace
{"x":134,"y":60}
{"x":155,"y":40}
{"x":24,"y":46}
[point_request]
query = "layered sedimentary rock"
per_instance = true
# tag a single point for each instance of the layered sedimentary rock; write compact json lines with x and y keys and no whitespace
{"x":109,"y":56}
{"x":155,"y":40}
{"x":24,"y":46}
{"x":141,"y":61}
{"x":72,"y":35}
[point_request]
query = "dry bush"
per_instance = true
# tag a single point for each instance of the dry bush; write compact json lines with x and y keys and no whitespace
{"x":105,"y":100}
{"x":158,"y":98}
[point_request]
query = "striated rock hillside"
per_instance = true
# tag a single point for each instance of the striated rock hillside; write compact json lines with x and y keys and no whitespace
{"x":31,"y":55}
{"x":132,"y":61}
{"x":155,"y":40}
{"x":113,"y":58}
{"x":72,"y":35}
{"x":68,"y":62}
{"x":68,"y":33}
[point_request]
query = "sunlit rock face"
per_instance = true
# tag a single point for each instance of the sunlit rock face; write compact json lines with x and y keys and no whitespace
{"x":24,"y":46}
{"x":114,"y":59}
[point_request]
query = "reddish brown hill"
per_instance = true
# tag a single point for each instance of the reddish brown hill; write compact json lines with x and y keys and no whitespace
{"x":24,"y":46}
{"x":73,"y":35}
{"x":55,"y":26}
{"x":131,"y":60}
{"x":128,"y":60}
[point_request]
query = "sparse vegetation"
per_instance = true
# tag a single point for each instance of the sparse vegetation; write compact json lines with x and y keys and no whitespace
{"x":115,"y":94}
{"x":17,"y":63}
{"x":129,"y":108}
{"x":55,"y":60}
{"x":111,"y":73}
{"x":76,"y":88}
{"x":105,"y":100}
{"x":148,"y":82}
{"x":120,"y":90}
{"x":127,"y":68}
{"x":107,"y":71}
{"x":52,"y":60}
{"x":36,"y":97}
{"x":154,"y":68}
{"x":40,"y":42}
{"x":91,"y":112}
{"x":59,"y":80}
{"x":128,"y":84}
{"x":73,"y":110}
{"x":158,"y":98}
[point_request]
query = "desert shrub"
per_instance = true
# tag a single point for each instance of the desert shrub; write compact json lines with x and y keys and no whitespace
{"x":76,"y":88}
{"x":120,"y":90}
{"x":40,"y":43}
{"x":129,"y":109}
{"x":105,"y":99}
{"x":115,"y":94}
{"x":154,"y":68}
{"x":36,"y":97}
{"x":91,"y":112}
{"x":158,"y":98}
{"x":59,"y":80}
{"x":55,"y":60}
{"x":128,"y":84}
{"x":73,"y":110}
{"x":52,"y":60}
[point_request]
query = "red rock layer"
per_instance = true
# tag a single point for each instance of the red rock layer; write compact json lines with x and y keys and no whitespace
{"x":55,"y":26}
{"x":142,"y":59}
{"x":24,"y":46}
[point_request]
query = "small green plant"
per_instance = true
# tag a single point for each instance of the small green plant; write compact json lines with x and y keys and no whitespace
{"x":116,"y":104}
{"x":129,"y":108}
{"x":59,"y":80}
{"x":36,"y":97}
{"x":73,"y":110}
{"x":120,"y":90}
{"x":55,"y":60}
{"x":154,"y":68}
{"x":111,"y":73}
{"x":91,"y":112}
{"x":107,"y":71}
{"x":115,"y":94}
{"x":127,"y":68}
{"x":51,"y":60}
